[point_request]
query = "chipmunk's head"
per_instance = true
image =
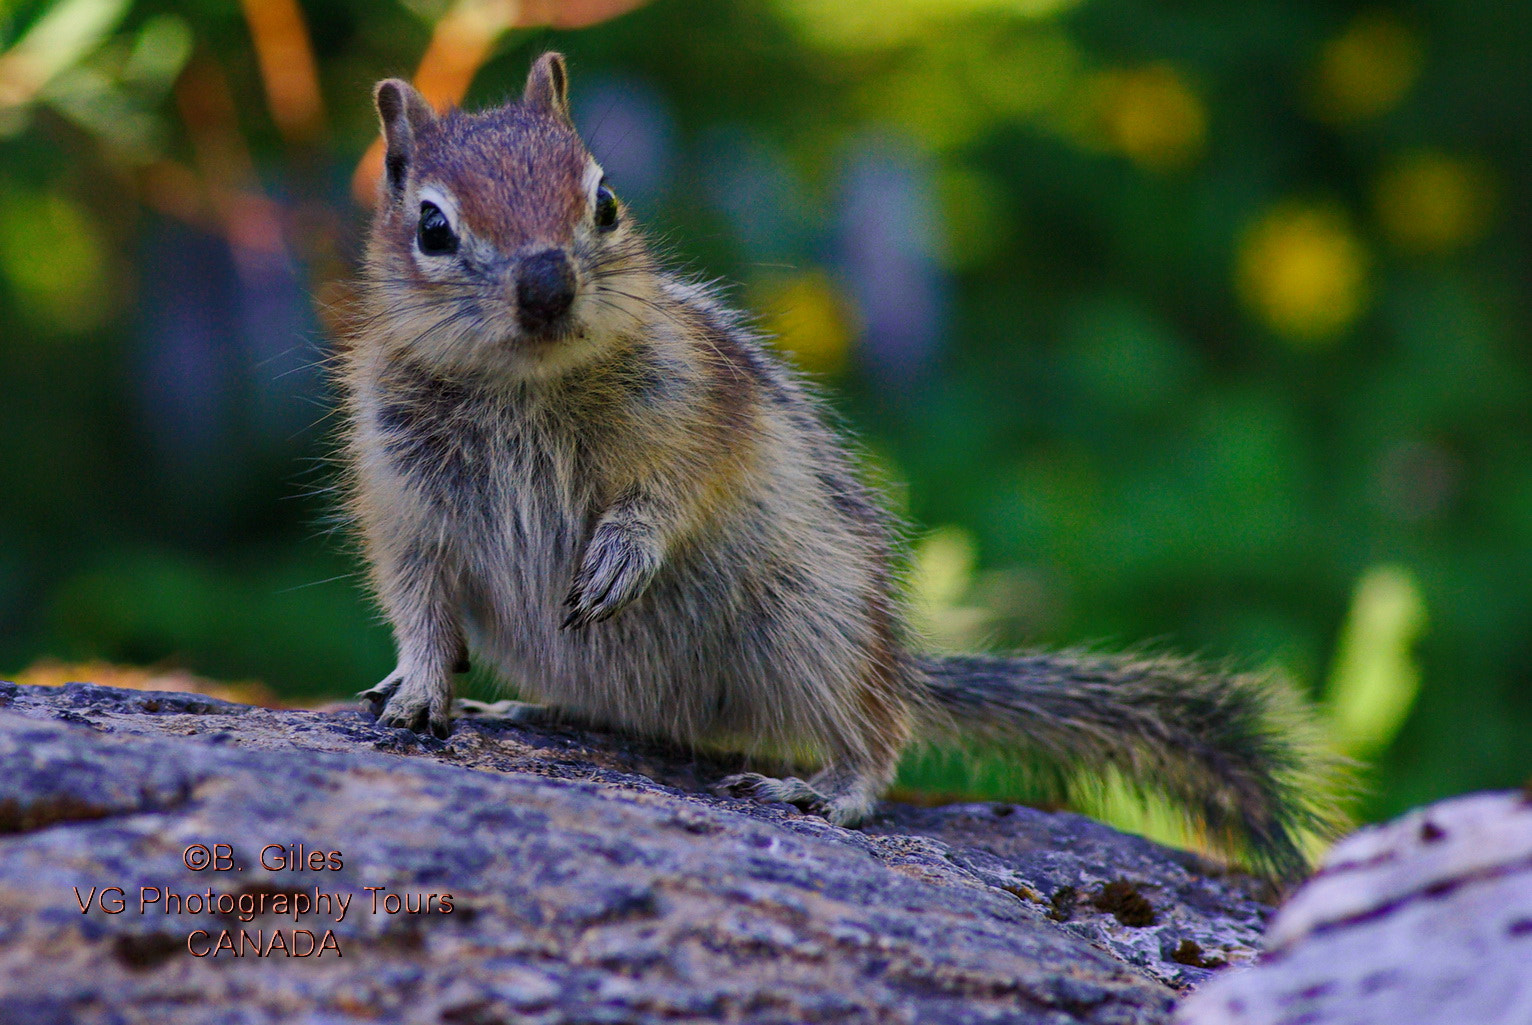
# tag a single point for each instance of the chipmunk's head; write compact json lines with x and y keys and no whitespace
{"x":498,"y":245}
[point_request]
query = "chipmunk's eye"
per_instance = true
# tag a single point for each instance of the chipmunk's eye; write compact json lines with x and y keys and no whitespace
{"x":435,"y":234}
{"x":606,"y":207}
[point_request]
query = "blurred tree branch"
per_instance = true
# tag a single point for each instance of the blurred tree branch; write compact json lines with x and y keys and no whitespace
{"x":288,"y":72}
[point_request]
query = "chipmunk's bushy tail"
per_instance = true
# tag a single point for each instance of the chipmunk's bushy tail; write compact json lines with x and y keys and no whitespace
{"x":1238,"y":754}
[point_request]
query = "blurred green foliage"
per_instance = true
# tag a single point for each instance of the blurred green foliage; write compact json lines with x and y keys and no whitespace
{"x":1230,"y":305}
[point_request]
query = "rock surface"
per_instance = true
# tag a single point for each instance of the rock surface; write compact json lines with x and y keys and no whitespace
{"x":589,"y":879}
{"x":1427,"y":919}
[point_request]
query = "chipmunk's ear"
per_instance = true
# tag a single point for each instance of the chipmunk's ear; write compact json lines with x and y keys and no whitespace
{"x":403,"y":112}
{"x":548,"y":87}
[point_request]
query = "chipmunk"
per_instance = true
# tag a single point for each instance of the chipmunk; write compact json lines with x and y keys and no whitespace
{"x":589,"y":471}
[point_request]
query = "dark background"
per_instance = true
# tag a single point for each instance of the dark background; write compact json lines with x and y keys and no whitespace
{"x":1193,"y":323}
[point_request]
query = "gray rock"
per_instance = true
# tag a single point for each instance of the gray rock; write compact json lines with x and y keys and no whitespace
{"x":577,"y":877}
{"x":1427,"y":919}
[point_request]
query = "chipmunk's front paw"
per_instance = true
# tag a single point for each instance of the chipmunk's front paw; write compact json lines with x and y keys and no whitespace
{"x":619,"y":563}
{"x":406,"y":702}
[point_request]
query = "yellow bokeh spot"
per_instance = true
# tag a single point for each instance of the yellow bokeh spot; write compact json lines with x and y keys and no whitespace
{"x":1367,"y":69}
{"x":809,"y":319}
{"x":1302,"y":269}
{"x":53,"y":256}
{"x":1431,"y":202}
{"x":1151,"y":116}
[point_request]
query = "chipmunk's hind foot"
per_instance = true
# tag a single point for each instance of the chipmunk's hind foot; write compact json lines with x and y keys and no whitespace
{"x":843,"y":799}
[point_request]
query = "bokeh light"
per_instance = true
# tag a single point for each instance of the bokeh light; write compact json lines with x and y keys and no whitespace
{"x":1433,"y":202}
{"x":1150,"y":115}
{"x":809,"y":318}
{"x":53,"y":255}
{"x":1366,"y":70}
{"x":1302,"y":270}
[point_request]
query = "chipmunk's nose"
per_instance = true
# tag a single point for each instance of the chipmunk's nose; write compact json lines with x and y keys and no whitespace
{"x":545,"y":288}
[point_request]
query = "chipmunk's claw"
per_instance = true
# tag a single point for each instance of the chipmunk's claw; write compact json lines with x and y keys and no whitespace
{"x":618,"y":565}
{"x":376,"y":697}
{"x":401,"y":702}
